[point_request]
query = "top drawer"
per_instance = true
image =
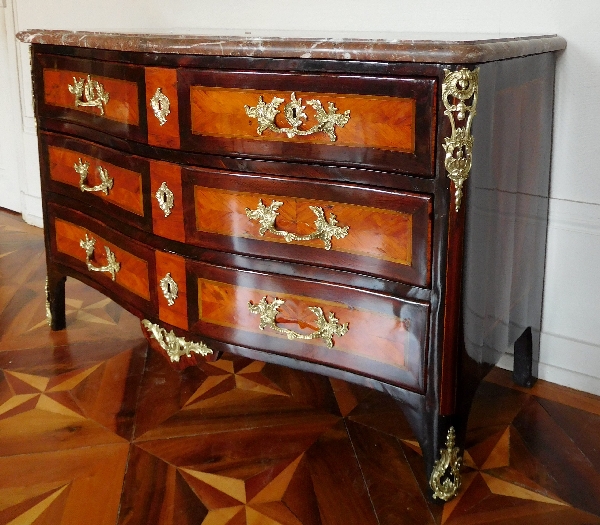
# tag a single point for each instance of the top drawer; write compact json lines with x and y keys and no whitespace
{"x":385,"y":123}
{"x":106,"y":96}
{"x":368,"y":122}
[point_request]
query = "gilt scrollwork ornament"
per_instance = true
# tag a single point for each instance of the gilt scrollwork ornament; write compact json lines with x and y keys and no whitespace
{"x":48,"y":310}
{"x":325,"y":229}
{"x":174,"y":346}
{"x":294,"y":113}
{"x":165,"y":199}
{"x":326,"y":328}
{"x":106,"y":183}
{"x":111,"y":266}
{"x":169,"y":288}
{"x":445,"y":477}
{"x":459,"y":94}
{"x":160,"y":106}
{"x":89,"y":93}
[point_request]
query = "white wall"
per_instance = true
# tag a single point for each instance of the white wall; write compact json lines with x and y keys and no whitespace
{"x":571,"y":331}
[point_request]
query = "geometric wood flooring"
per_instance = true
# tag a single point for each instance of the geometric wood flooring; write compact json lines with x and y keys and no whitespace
{"x":97,"y":429}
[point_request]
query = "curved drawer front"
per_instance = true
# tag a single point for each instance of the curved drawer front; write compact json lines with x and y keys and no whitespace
{"x":101,"y":177}
{"x":348,"y":227}
{"x":119,"y":264}
{"x":386,"y":123}
{"x":369,"y":334}
{"x":106,"y":96}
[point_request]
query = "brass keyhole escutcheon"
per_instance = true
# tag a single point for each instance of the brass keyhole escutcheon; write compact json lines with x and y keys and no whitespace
{"x":165,"y":199}
{"x":169,"y":289}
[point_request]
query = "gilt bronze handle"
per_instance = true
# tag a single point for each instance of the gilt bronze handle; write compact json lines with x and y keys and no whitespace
{"x":82,"y":169}
{"x":89,"y":93}
{"x":327,"y":120}
{"x":325,"y":228}
{"x":327,"y":328}
{"x":112,"y":266}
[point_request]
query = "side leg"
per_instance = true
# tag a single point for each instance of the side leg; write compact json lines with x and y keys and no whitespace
{"x":523,"y":365}
{"x":442,"y":441}
{"x":55,"y":301}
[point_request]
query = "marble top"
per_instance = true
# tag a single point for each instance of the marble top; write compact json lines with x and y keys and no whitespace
{"x":388,"y":47}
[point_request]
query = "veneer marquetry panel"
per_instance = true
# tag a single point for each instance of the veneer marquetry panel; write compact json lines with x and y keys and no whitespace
{"x":175,"y":314}
{"x":127,"y":200}
{"x":133,"y":273}
{"x":375,"y":121}
{"x":121,"y":107}
{"x":171,"y":226}
{"x":391,"y":126}
{"x":127,"y":185}
{"x":124,"y":113}
{"x":384,"y":333}
{"x":392,"y":230}
{"x":388,"y":232}
{"x":167,"y":134}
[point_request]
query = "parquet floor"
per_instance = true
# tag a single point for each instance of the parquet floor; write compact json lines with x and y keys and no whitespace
{"x":96,"y":429}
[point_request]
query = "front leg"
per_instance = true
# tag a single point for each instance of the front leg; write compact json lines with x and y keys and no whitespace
{"x":55,"y":301}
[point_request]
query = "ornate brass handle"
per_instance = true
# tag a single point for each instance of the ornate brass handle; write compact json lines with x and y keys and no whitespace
{"x":160,"y":106}
{"x":82,"y":169}
{"x":89,"y":93}
{"x":326,"y":328}
{"x":173,"y":345}
{"x":112,"y":266}
{"x":325,"y":229}
{"x":294,"y":114}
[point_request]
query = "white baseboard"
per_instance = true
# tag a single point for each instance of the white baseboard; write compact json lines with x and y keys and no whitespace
{"x":32,"y":210}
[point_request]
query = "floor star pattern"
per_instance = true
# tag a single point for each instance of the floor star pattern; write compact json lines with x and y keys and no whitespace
{"x":97,"y":429}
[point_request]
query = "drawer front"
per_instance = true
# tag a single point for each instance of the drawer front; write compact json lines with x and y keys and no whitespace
{"x":105,"y":96}
{"x":112,"y":182}
{"x":354,"y":228}
{"x":369,"y":334}
{"x":120,"y":265}
{"x":386,"y":123}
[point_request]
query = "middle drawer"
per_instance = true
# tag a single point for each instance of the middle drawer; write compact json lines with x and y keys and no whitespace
{"x":383,"y":233}
{"x":342,"y":226}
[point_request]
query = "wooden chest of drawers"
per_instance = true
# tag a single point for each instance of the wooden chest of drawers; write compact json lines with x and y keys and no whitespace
{"x":306,"y":203}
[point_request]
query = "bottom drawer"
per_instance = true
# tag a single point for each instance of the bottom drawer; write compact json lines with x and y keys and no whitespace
{"x":370,"y":334}
{"x":123,"y":267}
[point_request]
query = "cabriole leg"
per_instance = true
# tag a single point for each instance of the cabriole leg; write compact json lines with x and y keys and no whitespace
{"x":55,"y":301}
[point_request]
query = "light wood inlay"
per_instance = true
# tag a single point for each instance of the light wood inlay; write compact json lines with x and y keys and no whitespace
{"x":176,"y":314}
{"x":372,"y":335}
{"x":381,"y":122}
{"x":170,"y":227}
{"x":378,"y":233}
{"x":166,"y":135}
{"x":127,"y":186}
{"x":121,"y":107}
{"x":133,"y":274}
